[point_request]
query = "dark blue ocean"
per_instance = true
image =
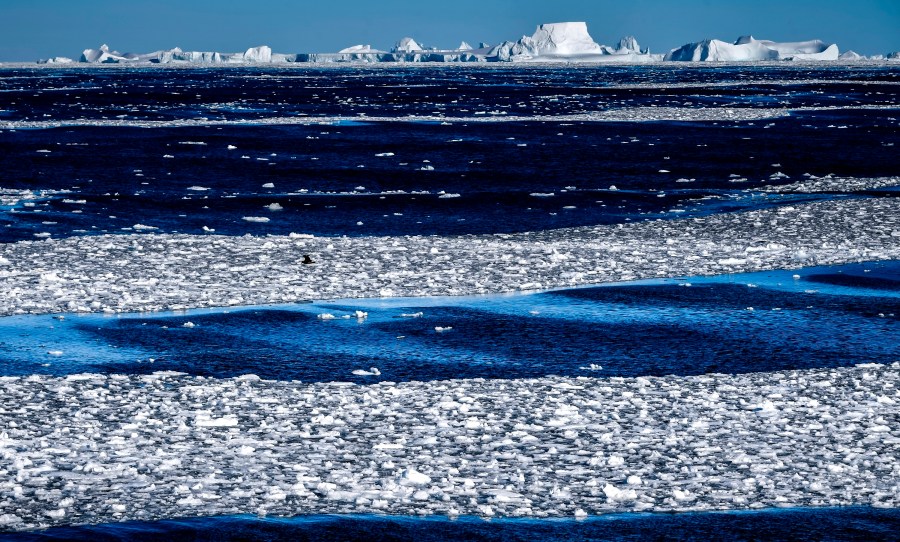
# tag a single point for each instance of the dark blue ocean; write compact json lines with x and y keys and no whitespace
{"x":754,"y":322}
{"x":475,"y":171}
{"x":454,"y":150}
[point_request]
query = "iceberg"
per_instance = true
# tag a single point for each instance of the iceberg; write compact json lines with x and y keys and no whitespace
{"x":260,"y":54}
{"x":568,"y":41}
{"x":748,"y":48}
{"x":551,"y":39}
{"x":102,"y":55}
{"x":407,"y":45}
{"x":56,"y":60}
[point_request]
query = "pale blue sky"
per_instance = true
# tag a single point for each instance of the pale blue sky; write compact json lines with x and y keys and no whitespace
{"x":32,"y":29}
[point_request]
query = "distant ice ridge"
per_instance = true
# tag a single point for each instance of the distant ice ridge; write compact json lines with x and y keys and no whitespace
{"x":104,"y":55}
{"x":131,"y":447}
{"x":155,"y":271}
{"x":567,"y":41}
{"x":551,"y":42}
{"x":748,"y":48}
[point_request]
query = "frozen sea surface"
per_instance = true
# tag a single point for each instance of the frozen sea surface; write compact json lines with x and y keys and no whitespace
{"x":141,"y":272}
{"x":94,"y":448}
{"x":765,"y":321}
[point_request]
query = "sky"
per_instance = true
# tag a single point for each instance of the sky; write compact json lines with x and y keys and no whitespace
{"x":33,"y":29}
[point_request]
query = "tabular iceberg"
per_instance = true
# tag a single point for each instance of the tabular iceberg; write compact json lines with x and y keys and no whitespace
{"x":567,"y":41}
{"x":748,"y":48}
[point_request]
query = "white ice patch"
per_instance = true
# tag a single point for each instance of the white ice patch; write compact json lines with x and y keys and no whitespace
{"x":207,"y":270}
{"x":146,"y":446}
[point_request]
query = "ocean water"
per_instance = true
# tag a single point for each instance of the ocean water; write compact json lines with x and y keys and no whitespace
{"x":456,"y":150}
{"x":364,"y":151}
{"x":766,"y":321}
{"x":823,"y":524}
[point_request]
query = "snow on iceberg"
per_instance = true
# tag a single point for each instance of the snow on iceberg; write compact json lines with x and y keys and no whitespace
{"x":747,"y":48}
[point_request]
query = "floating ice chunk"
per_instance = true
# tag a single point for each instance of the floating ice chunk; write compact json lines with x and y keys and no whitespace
{"x":205,"y":420}
{"x":258,"y":219}
{"x":326,"y":316}
{"x":412,"y":315}
{"x":268,"y":185}
{"x":361,"y":315}
{"x":144,"y":227}
{"x":274,"y":207}
{"x":189,"y":324}
{"x":373,"y":371}
{"x":198,"y":188}
{"x":231,"y":147}
{"x":440,"y":329}
{"x":414,"y":477}
{"x":208,"y":229}
{"x":55,"y":352}
{"x":615,"y":494}
{"x":591,"y":367}
{"x":384,"y":154}
{"x":682,"y":495}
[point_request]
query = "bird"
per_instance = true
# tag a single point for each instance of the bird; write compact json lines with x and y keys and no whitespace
{"x":373,"y":371}
{"x":307,"y":260}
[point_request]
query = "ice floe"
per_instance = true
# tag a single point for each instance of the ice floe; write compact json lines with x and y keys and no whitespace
{"x":117,"y":447}
{"x":153,"y":271}
{"x":830,"y":183}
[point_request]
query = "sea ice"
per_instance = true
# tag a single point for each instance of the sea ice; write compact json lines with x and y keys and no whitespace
{"x":142,"y":447}
{"x":106,"y":273}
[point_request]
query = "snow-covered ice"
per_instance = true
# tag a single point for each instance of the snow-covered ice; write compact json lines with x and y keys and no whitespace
{"x":117,"y":447}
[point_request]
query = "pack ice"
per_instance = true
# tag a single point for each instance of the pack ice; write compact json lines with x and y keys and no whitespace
{"x":121,"y":447}
{"x":154,"y":271}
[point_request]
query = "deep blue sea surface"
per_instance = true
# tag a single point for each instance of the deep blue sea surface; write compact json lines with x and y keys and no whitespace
{"x":802,"y":524}
{"x":357,"y":177}
{"x":766,"y":321}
